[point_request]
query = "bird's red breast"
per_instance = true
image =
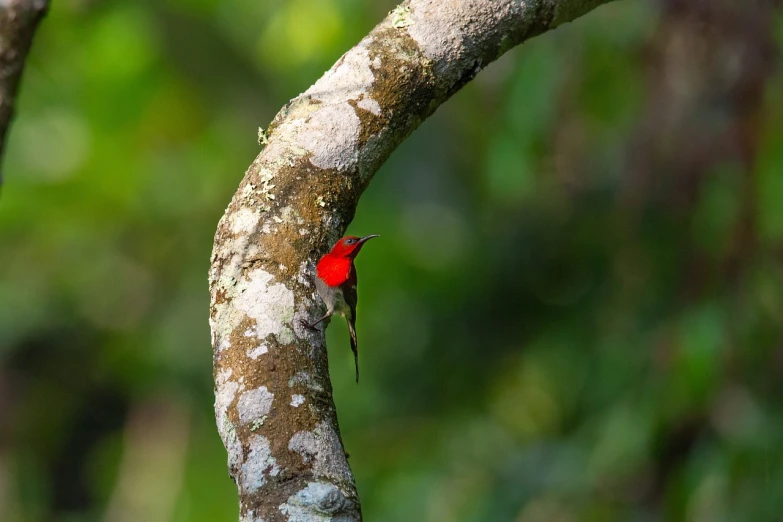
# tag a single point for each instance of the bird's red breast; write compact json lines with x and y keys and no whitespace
{"x":336,"y":267}
{"x":334,"y":270}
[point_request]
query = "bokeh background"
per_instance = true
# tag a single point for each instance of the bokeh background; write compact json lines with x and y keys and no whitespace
{"x":574,"y":313}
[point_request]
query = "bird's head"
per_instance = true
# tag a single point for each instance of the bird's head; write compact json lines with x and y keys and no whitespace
{"x":349,"y":246}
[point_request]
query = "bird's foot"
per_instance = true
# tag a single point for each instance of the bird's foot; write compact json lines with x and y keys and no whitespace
{"x":305,"y":324}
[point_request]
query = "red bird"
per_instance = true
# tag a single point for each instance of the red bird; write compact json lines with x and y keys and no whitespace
{"x":336,"y":284}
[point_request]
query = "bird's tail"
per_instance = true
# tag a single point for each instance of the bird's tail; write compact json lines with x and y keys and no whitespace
{"x":354,"y":346}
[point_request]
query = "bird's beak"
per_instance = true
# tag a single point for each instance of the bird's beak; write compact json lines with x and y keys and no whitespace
{"x":365,"y":238}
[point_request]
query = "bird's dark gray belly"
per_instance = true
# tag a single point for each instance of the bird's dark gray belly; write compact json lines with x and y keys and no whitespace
{"x":333,"y":298}
{"x":340,"y":306}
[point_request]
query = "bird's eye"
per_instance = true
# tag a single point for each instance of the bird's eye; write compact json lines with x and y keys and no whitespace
{"x":350,"y":241}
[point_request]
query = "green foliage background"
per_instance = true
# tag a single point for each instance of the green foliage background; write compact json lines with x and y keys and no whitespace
{"x":536,"y":345}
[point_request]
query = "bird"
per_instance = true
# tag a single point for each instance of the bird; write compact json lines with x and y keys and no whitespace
{"x":336,"y":284}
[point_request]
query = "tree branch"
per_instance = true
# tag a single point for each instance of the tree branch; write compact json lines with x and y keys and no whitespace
{"x":18,"y":22}
{"x":274,"y":404}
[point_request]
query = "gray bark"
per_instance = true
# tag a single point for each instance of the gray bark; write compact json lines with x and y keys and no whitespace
{"x":18,"y":22}
{"x":274,"y":406}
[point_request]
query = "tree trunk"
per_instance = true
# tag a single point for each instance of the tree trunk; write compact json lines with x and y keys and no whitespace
{"x":18,"y":22}
{"x":274,"y":406}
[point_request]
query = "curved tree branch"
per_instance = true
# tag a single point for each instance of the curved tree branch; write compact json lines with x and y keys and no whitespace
{"x":274,"y":404}
{"x":18,"y":22}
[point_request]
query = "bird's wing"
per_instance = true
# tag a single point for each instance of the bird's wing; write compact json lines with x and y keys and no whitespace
{"x":351,"y":298}
{"x":349,"y":292}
